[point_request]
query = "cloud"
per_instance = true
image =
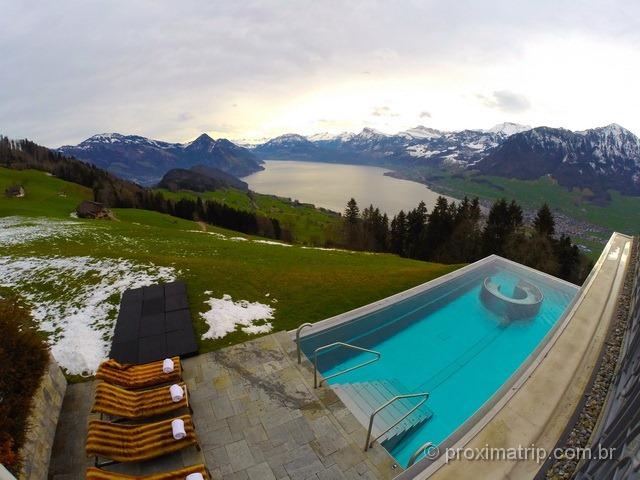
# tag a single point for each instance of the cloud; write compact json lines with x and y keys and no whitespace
{"x":425,"y":114}
{"x":383,"y":111}
{"x":136,"y":67}
{"x":506,"y":101}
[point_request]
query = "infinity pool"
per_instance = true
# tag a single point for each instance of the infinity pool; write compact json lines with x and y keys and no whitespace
{"x":443,"y":339}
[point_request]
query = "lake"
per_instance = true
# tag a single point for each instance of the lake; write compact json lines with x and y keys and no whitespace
{"x":331,"y":185}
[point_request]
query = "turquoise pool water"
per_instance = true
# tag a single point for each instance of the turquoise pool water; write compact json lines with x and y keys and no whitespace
{"x":446,"y":342}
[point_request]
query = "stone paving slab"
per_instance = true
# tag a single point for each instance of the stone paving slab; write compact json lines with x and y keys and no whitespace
{"x":257,"y":417}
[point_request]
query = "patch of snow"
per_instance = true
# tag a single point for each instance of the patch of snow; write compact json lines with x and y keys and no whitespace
{"x":225,"y":316}
{"x":20,"y":230}
{"x":421,"y":132}
{"x":239,"y":239}
{"x":326,"y":249}
{"x":325,"y":136}
{"x":270,"y":242}
{"x":215,"y":234}
{"x":508,"y":128}
{"x":75,"y":300}
{"x":421,"y":151}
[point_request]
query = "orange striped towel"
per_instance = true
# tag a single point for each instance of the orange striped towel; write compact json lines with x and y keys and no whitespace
{"x":135,"y":443}
{"x":119,"y":402}
{"x":97,"y":474}
{"x":138,"y":376}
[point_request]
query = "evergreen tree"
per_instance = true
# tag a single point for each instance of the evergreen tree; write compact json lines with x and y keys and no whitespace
{"x":352,"y":225}
{"x":568,"y":257}
{"x":416,"y":222}
{"x":544,"y":222}
{"x":496,"y":229}
{"x":352,"y":212}
{"x":439,"y":228}
{"x":514,"y":212}
{"x":398,"y":234}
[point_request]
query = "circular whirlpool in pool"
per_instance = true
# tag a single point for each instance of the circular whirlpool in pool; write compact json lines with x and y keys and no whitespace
{"x":523,"y":302}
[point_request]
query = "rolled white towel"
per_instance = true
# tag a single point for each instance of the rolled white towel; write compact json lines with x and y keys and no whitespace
{"x":167,"y":365}
{"x":177,"y":428}
{"x":177,"y":393}
{"x":195,"y":476}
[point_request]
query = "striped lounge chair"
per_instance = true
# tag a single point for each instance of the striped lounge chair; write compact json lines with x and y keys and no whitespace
{"x":127,"y":404}
{"x":122,"y":443}
{"x":97,"y":474}
{"x":138,"y":376}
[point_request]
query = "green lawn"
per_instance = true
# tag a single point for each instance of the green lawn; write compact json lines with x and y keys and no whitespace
{"x":309,"y":284}
{"x":309,"y":225}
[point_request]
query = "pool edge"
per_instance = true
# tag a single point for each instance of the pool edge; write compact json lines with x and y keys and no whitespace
{"x":481,"y":422}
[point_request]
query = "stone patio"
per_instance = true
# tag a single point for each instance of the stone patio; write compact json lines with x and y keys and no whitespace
{"x":257,"y":417}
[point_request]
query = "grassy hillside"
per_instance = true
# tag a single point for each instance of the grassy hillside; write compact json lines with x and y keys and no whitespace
{"x":309,"y":225}
{"x":622,"y":213}
{"x":47,"y":195}
{"x":55,"y":262}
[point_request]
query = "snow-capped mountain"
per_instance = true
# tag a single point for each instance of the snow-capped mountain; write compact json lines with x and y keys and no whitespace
{"x":421,"y":132}
{"x":508,"y":128}
{"x":145,"y":161}
{"x":119,"y":139}
{"x":597,"y":159}
{"x":407,"y":147}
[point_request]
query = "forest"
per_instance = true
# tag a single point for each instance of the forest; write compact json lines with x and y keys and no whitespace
{"x":460,"y":233}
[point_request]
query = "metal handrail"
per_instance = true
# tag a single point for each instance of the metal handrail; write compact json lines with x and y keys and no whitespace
{"x":420,"y":450}
{"x":340,"y":344}
{"x":298,"y":339}
{"x":382,"y":407}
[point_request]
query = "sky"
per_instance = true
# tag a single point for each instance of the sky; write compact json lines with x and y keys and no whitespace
{"x":257,"y":69}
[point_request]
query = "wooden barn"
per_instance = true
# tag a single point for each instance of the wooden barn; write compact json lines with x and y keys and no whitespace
{"x":15,"y":191}
{"x":89,"y":209}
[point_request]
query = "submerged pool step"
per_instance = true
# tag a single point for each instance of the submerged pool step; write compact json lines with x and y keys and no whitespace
{"x":363,"y":398}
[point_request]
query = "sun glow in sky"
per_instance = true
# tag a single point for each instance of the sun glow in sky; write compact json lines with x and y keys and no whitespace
{"x":250,"y":70}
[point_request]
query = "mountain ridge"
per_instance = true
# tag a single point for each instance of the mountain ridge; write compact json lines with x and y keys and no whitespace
{"x":146,"y":160}
{"x":200,"y":178}
{"x":598,"y":159}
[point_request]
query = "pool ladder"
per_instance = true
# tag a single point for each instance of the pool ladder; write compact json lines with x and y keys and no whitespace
{"x":325,"y":347}
{"x":370,"y":441}
{"x":317,"y":384}
{"x":428,"y":448}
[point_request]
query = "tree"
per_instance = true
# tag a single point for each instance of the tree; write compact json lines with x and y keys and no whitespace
{"x":500,"y":224}
{"x":514,"y":212}
{"x":464,"y":244}
{"x":568,"y":257}
{"x":439,"y":228}
{"x":352,"y":212}
{"x":352,"y":225}
{"x":398,"y":234}
{"x":416,"y":222}
{"x":536,"y":252}
{"x":544,"y":222}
